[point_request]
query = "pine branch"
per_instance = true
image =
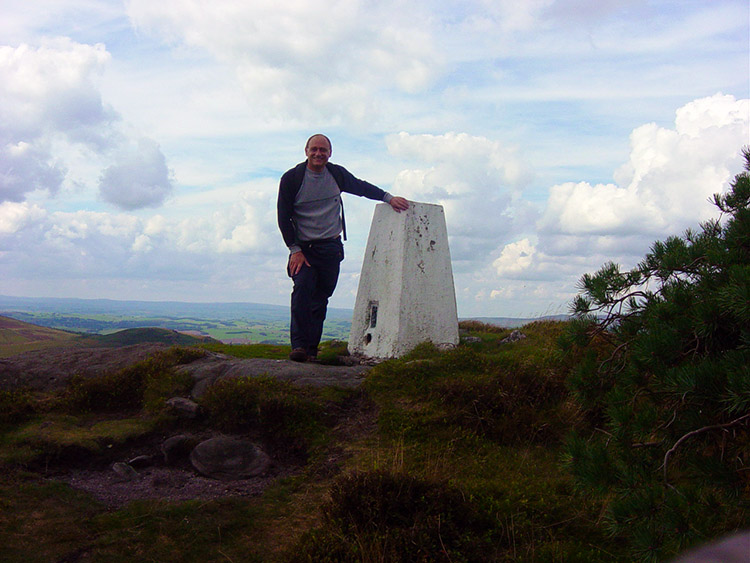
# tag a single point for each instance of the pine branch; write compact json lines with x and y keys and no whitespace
{"x":615,"y":353}
{"x":689,"y":435}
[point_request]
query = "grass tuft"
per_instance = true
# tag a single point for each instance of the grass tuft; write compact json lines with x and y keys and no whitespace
{"x":381,"y":516}
{"x":288,"y":417}
{"x":145,"y":384}
{"x":15,"y":406}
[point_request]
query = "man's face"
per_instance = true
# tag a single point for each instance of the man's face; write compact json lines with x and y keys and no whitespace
{"x":317,"y":152}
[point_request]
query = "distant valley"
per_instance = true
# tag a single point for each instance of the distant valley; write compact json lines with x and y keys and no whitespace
{"x":227,"y":322}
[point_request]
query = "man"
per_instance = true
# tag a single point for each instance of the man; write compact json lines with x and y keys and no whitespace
{"x":310,"y":214}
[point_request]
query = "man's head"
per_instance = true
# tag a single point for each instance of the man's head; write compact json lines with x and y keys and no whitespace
{"x":318,"y":151}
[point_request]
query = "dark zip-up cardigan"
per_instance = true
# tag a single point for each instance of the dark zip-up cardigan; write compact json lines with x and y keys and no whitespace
{"x":291,"y":182}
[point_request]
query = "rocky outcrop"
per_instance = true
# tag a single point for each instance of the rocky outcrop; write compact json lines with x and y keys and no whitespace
{"x":183,"y":407}
{"x":50,"y":370}
{"x":514,"y":336}
{"x":213,"y":367}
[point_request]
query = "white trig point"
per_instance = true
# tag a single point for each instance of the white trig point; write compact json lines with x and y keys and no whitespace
{"x":406,"y":294}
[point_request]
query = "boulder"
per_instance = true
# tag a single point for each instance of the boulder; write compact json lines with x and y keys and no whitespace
{"x":176,"y":448}
{"x":183,"y":407}
{"x":515,"y":336}
{"x":228,"y":458}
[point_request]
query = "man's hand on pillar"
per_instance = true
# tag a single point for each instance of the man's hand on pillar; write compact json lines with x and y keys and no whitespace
{"x":399,"y":204}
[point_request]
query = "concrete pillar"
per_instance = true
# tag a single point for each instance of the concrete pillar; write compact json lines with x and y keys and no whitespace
{"x":406,"y":294}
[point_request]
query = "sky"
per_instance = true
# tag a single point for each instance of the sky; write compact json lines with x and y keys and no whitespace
{"x":142,"y":141}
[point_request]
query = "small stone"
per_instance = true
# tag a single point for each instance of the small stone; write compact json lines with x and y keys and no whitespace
{"x":124,"y":471}
{"x":184,"y":407}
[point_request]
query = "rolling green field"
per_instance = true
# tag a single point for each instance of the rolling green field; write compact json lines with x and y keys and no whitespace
{"x":243,"y":330}
{"x":232,"y":323}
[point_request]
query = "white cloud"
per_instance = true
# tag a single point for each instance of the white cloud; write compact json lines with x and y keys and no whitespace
{"x":229,"y":90}
{"x":303,"y":59}
{"x":475,"y":179}
{"x":16,"y":216}
{"x":138,"y":178}
{"x":25,"y":167}
{"x":52,"y":89}
{"x":44,"y":93}
{"x":515,"y":258}
{"x":666,"y":185}
{"x":663,"y":189}
{"x":51,"y":112}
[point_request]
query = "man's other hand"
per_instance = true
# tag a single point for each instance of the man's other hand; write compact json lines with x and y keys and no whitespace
{"x":399,"y":204}
{"x":296,"y":261}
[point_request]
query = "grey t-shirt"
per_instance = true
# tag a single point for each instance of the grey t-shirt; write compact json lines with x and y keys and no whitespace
{"x":317,"y":207}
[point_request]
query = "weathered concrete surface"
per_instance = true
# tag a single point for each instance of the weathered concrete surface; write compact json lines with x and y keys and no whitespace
{"x":208,"y":370}
{"x":406,"y":294}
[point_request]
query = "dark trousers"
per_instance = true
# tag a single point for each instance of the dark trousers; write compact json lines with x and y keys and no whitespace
{"x":313,"y":285}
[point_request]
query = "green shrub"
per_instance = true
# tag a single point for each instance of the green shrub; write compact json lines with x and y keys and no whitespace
{"x":15,"y":406}
{"x":164,"y":385}
{"x":513,"y":403}
{"x":270,"y":351}
{"x":510,"y":399}
{"x":330,"y":352}
{"x":278,"y":411}
{"x":120,"y":391}
{"x":147,"y":383}
{"x":380,"y":516}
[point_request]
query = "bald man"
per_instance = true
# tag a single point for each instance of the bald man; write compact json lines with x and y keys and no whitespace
{"x":310,"y":214}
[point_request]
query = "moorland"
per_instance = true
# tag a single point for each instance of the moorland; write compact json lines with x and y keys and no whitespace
{"x":439,"y":456}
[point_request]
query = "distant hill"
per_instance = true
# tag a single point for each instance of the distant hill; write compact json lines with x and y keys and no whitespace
{"x":131,"y":336}
{"x":17,"y":337}
{"x":173,"y":309}
{"x":508,"y":322}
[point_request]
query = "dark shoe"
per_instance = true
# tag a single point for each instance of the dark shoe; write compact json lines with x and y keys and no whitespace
{"x":298,"y":355}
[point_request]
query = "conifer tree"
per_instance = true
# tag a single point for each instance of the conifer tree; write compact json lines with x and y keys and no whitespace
{"x":663,"y":375}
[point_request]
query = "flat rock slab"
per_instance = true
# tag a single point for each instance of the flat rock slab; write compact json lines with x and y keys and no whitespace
{"x":210,"y":369}
{"x":51,"y":369}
